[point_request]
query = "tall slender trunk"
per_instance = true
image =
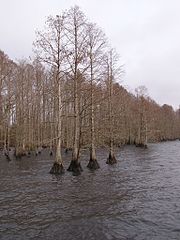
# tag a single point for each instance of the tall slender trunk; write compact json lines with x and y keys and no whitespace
{"x":75,"y":166}
{"x":93,"y":164}
{"x":57,"y":167}
{"x":75,"y":156}
{"x":111,"y":158}
{"x":58,"y":164}
{"x":59,"y":126}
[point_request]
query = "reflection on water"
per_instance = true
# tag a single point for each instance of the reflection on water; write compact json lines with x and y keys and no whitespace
{"x":138,"y":198}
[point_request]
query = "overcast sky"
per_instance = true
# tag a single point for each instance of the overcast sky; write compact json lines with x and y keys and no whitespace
{"x":146,"y":34}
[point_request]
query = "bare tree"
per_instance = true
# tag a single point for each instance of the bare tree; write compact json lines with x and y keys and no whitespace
{"x":113,"y":72}
{"x":96,"y":44}
{"x":75,"y":53}
{"x":49,"y":47}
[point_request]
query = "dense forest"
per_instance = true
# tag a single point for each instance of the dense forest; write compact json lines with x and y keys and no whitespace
{"x":70,"y":96}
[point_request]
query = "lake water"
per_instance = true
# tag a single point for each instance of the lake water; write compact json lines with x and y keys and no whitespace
{"x":138,"y":198}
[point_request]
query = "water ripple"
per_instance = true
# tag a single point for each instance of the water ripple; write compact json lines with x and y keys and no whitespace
{"x":136,"y":199}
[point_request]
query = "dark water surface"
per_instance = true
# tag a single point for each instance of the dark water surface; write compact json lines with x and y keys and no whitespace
{"x":138,"y":198}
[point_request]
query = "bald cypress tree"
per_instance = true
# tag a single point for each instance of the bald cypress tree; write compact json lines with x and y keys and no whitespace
{"x":49,"y":48}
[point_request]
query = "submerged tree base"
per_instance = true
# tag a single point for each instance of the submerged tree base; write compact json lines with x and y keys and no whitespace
{"x":29,"y":153}
{"x":141,"y":145}
{"x":111,"y":160}
{"x":19,"y":155}
{"x":7,"y":156}
{"x":67,"y":150}
{"x":57,"y":168}
{"x":75,"y":167}
{"x":93,"y":164}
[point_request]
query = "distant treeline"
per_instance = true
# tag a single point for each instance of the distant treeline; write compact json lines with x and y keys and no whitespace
{"x":70,"y":95}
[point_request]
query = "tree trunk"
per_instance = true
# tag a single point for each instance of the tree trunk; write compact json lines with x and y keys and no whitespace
{"x":57,"y":167}
{"x":93,"y":164}
{"x":111,"y":158}
{"x":75,"y":165}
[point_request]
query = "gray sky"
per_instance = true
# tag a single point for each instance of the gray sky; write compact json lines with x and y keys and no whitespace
{"x":146,"y":34}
